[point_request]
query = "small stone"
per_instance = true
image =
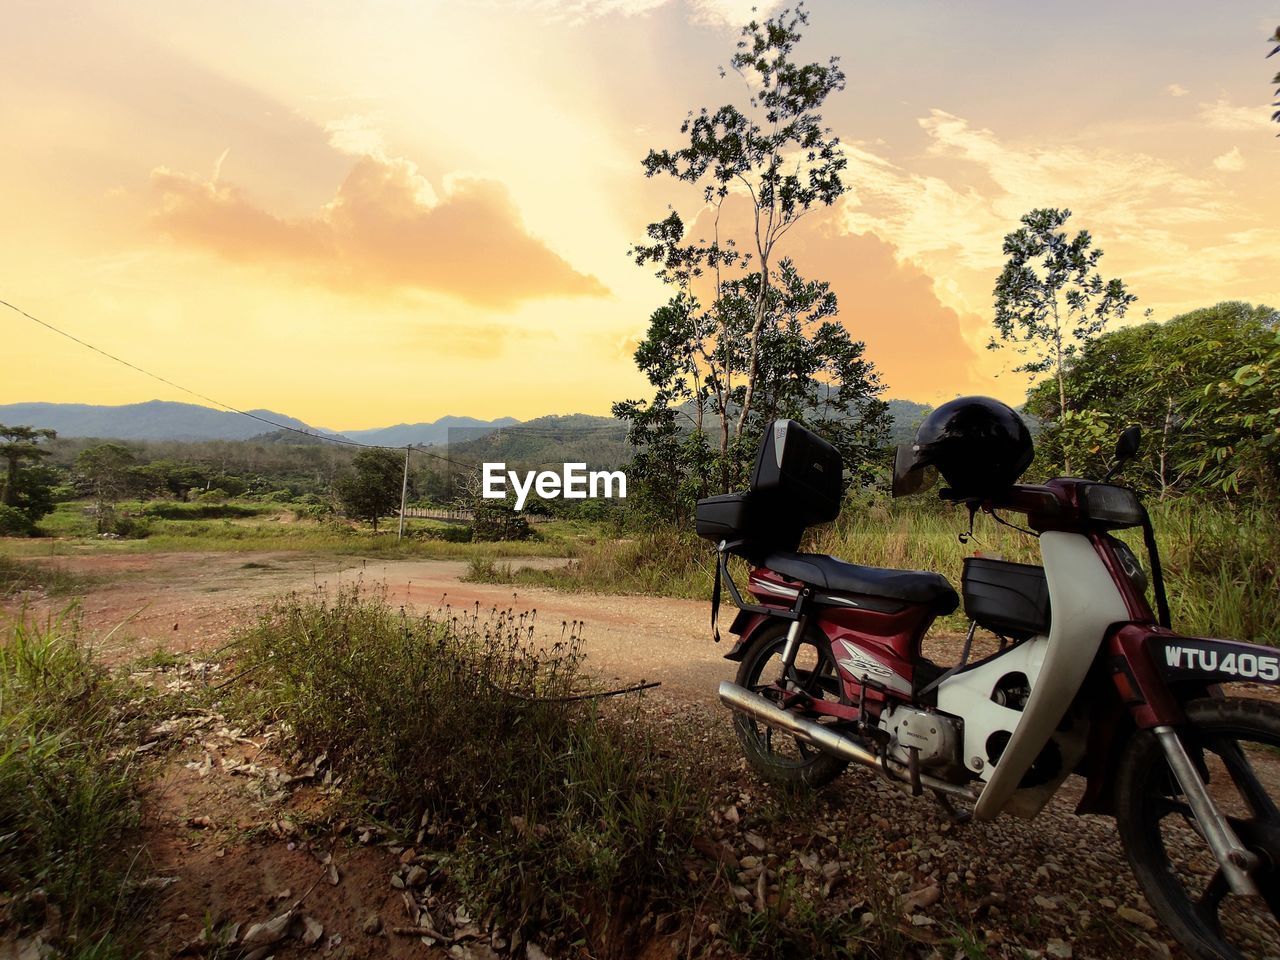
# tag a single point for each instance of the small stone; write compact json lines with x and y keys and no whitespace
{"x":1058,"y":948}
{"x":416,"y":876}
{"x":312,"y":931}
{"x":755,"y":840}
{"x":1137,"y":918}
{"x":922,"y":898}
{"x":372,"y":924}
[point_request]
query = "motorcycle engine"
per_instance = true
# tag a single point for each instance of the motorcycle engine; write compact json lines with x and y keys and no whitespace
{"x":936,"y":737}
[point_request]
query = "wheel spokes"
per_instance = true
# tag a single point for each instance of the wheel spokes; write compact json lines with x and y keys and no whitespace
{"x":1210,"y":901}
{"x":1246,"y":780}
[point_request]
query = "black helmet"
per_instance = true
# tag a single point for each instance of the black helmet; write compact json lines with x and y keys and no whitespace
{"x":979,"y":445}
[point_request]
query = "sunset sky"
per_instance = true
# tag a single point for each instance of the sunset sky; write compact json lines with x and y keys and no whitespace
{"x":364,"y":214}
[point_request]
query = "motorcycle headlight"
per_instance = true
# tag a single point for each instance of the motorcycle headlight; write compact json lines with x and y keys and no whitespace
{"x":1114,"y":506}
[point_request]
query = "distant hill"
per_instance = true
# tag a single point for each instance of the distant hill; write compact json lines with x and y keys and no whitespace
{"x":906,"y":415}
{"x":600,"y":441}
{"x":427,"y":434}
{"x":549,"y":441}
{"x":153,"y":420}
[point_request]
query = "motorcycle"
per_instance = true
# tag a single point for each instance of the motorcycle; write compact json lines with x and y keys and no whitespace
{"x":1087,"y":679}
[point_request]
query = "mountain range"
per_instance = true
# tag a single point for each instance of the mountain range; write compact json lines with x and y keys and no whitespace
{"x":168,"y":420}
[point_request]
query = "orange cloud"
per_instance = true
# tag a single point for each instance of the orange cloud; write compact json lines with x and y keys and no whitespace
{"x":384,"y":229}
{"x":915,"y":341}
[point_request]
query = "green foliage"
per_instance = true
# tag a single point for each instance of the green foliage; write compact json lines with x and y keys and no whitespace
{"x":766,"y":343}
{"x":216,"y":509}
{"x":1201,"y":385}
{"x":1050,"y":298}
{"x":496,"y":521}
{"x":68,"y":794}
{"x":372,"y":489}
{"x":14,"y":523}
{"x":104,"y":472}
{"x":542,"y":810}
{"x":27,"y":486}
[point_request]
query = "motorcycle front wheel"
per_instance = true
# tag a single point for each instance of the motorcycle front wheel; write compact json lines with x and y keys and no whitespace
{"x":776,"y":756}
{"x":1235,"y":744}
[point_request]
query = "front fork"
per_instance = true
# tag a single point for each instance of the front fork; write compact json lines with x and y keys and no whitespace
{"x":789,"y":651}
{"x":1237,"y":863}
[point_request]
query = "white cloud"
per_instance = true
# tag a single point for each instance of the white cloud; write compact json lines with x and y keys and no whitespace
{"x":733,"y":13}
{"x":357,"y":136}
{"x":1230,"y":162}
{"x":1224,"y":115}
{"x":1157,"y":220}
{"x":1176,"y":90}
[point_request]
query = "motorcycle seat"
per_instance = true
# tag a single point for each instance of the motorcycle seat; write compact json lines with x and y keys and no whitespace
{"x":910,"y":586}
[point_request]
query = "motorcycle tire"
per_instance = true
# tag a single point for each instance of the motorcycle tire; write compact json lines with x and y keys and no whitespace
{"x":1168,"y":855}
{"x":774,"y":755}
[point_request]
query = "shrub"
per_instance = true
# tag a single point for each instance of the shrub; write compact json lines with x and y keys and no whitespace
{"x":494,"y":521}
{"x":14,"y":523}
{"x":545,"y":808}
{"x":453,"y":533}
{"x":67,"y":788}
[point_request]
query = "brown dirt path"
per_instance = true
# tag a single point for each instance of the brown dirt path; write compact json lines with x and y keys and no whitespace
{"x":189,"y":602}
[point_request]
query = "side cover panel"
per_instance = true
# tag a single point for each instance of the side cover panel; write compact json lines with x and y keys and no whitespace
{"x":1086,"y":603}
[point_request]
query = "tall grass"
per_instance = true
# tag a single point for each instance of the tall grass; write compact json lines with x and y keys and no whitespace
{"x":550,"y":812}
{"x":1221,"y":563}
{"x":17,"y":576}
{"x":237,"y":527}
{"x":67,"y":788}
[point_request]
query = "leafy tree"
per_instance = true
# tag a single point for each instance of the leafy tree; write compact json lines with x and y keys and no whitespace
{"x":372,"y":489}
{"x":1275,"y":38}
{"x":27,"y":487}
{"x":1176,"y":380}
{"x":105,"y":472}
{"x":765,"y":342}
{"x":1050,"y":298}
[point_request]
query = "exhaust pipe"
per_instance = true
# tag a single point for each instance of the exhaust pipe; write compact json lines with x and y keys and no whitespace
{"x":824,"y":738}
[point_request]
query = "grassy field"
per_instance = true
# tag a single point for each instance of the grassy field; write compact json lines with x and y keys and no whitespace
{"x":1222,"y":566}
{"x":69,"y":790}
{"x":252,"y":526}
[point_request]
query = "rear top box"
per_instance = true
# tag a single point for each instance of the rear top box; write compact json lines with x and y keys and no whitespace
{"x":799,"y":472}
{"x":797,"y":482}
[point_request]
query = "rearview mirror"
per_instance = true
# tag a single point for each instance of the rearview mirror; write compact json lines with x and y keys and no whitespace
{"x":1129,"y":442}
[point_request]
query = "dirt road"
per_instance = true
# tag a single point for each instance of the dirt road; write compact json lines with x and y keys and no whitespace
{"x":186,"y":602}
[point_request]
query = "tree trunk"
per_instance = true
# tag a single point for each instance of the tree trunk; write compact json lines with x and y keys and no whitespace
{"x":11,"y":484}
{"x":753,"y":365}
{"x":1062,"y":386}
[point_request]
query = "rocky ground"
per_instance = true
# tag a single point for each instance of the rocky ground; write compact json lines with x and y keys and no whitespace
{"x":248,"y":855}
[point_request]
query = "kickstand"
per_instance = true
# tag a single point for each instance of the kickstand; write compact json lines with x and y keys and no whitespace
{"x":957,"y":816}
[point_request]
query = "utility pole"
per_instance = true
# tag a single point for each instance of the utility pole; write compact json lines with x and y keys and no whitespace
{"x":404,"y":491}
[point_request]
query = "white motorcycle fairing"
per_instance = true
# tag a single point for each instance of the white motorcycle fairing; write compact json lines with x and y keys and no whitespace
{"x":1084,"y":604}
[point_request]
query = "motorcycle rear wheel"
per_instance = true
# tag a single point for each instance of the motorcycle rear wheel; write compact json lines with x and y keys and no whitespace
{"x":1235,"y":743}
{"x":774,"y":755}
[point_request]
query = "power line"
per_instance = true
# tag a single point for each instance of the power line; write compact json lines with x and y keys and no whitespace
{"x":218,"y":403}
